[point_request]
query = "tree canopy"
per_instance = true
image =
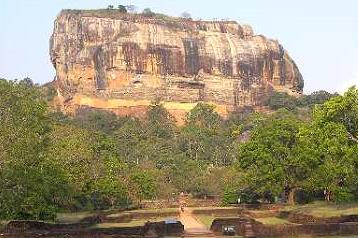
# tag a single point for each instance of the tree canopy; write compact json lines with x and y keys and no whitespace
{"x":50,"y":162}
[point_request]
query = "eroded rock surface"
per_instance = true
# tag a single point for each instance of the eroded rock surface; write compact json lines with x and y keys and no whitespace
{"x":123,"y":62}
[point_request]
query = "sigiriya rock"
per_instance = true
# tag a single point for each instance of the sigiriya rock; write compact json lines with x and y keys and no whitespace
{"x":123,"y":62}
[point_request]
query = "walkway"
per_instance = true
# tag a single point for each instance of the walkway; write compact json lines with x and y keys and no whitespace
{"x":192,"y":227}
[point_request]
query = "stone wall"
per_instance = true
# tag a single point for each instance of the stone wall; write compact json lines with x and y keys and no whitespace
{"x":285,"y":230}
{"x":43,"y":229}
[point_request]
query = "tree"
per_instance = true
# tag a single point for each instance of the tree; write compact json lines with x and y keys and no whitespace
{"x":131,"y":8}
{"x":204,"y":138}
{"x":282,"y":100}
{"x":268,"y":157}
{"x":184,"y":174}
{"x":203,"y":115}
{"x":32,"y":191}
{"x":122,"y":8}
{"x":23,"y":122}
{"x":27,"y":82}
{"x":98,"y":121}
{"x":186,"y":15}
{"x":161,"y":123}
{"x":142,"y":185}
{"x":148,"y":12}
{"x":230,"y":195}
{"x":32,"y":187}
{"x":318,"y":97}
{"x":340,"y":109}
{"x":73,"y":149}
{"x":194,"y":141}
{"x":328,"y":148}
{"x":109,"y":191}
{"x":132,"y":141}
{"x":337,"y":122}
{"x":110,"y":7}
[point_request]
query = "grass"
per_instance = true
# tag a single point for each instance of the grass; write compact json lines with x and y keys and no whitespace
{"x":73,"y":217}
{"x":207,"y":220}
{"x":159,"y":210}
{"x":132,"y":223}
{"x":125,"y":224}
{"x":324,"y":209}
{"x":144,"y":211}
{"x":272,"y":221}
{"x":2,"y":225}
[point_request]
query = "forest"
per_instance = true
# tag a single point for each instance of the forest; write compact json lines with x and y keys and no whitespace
{"x":303,"y":149}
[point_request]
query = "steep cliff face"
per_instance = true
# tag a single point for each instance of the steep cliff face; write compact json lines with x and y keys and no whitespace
{"x":122,"y":62}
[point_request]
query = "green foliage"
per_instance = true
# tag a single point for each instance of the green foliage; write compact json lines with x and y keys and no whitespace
{"x":98,"y":121}
{"x":268,"y":157}
{"x":72,"y":149}
{"x":344,"y":195}
{"x":108,"y":192}
{"x":186,"y":15}
{"x":340,"y":109}
{"x":203,"y":115}
{"x":51,"y":162}
{"x":31,"y":187}
{"x":326,"y":146}
{"x":285,"y":155}
{"x":122,"y":8}
{"x":315,"y":98}
{"x":35,"y":192}
{"x":142,"y":185}
{"x":48,"y":92}
{"x":161,"y":124}
{"x":230,"y":196}
{"x":148,"y":12}
{"x":23,"y":122}
{"x":282,"y":100}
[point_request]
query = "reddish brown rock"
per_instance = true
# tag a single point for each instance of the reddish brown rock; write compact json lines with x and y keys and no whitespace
{"x":120,"y":62}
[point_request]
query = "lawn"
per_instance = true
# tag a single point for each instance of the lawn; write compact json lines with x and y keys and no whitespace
{"x":2,"y":225}
{"x":324,"y":209}
{"x":132,"y":223}
{"x":72,"y":217}
{"x":207,"y":220}
{"x":272,"y":221}
{"x":144,"y":211}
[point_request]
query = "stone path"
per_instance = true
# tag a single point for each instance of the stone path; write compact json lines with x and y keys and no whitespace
{"x":192,"y":227}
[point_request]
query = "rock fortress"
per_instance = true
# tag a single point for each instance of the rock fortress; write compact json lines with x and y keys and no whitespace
{"x":124,"y":62}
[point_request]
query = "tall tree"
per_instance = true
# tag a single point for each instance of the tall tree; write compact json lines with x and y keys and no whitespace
{"x":341,"y":109}
{"x":267,"y":157}
{"x":327,"y":148}
{"x":31,"y":186}
{"x":161,"y":123}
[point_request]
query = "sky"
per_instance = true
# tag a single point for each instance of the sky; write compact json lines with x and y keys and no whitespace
{"x":320,"y":35}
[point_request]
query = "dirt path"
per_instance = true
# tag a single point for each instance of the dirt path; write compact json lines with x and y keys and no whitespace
{"x":192,"y":227}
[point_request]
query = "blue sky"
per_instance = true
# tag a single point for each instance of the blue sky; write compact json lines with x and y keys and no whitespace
{"x":320,"y":35}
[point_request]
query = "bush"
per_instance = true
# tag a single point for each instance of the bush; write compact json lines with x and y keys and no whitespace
{"x":249,"y":197}
{"x":148,"y":12}
{"x":122,"y":9}
{"x":230,"y":196}
{"x":282,"y":100}
{"x":314,"y":98}
{"x":343,"y":195}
